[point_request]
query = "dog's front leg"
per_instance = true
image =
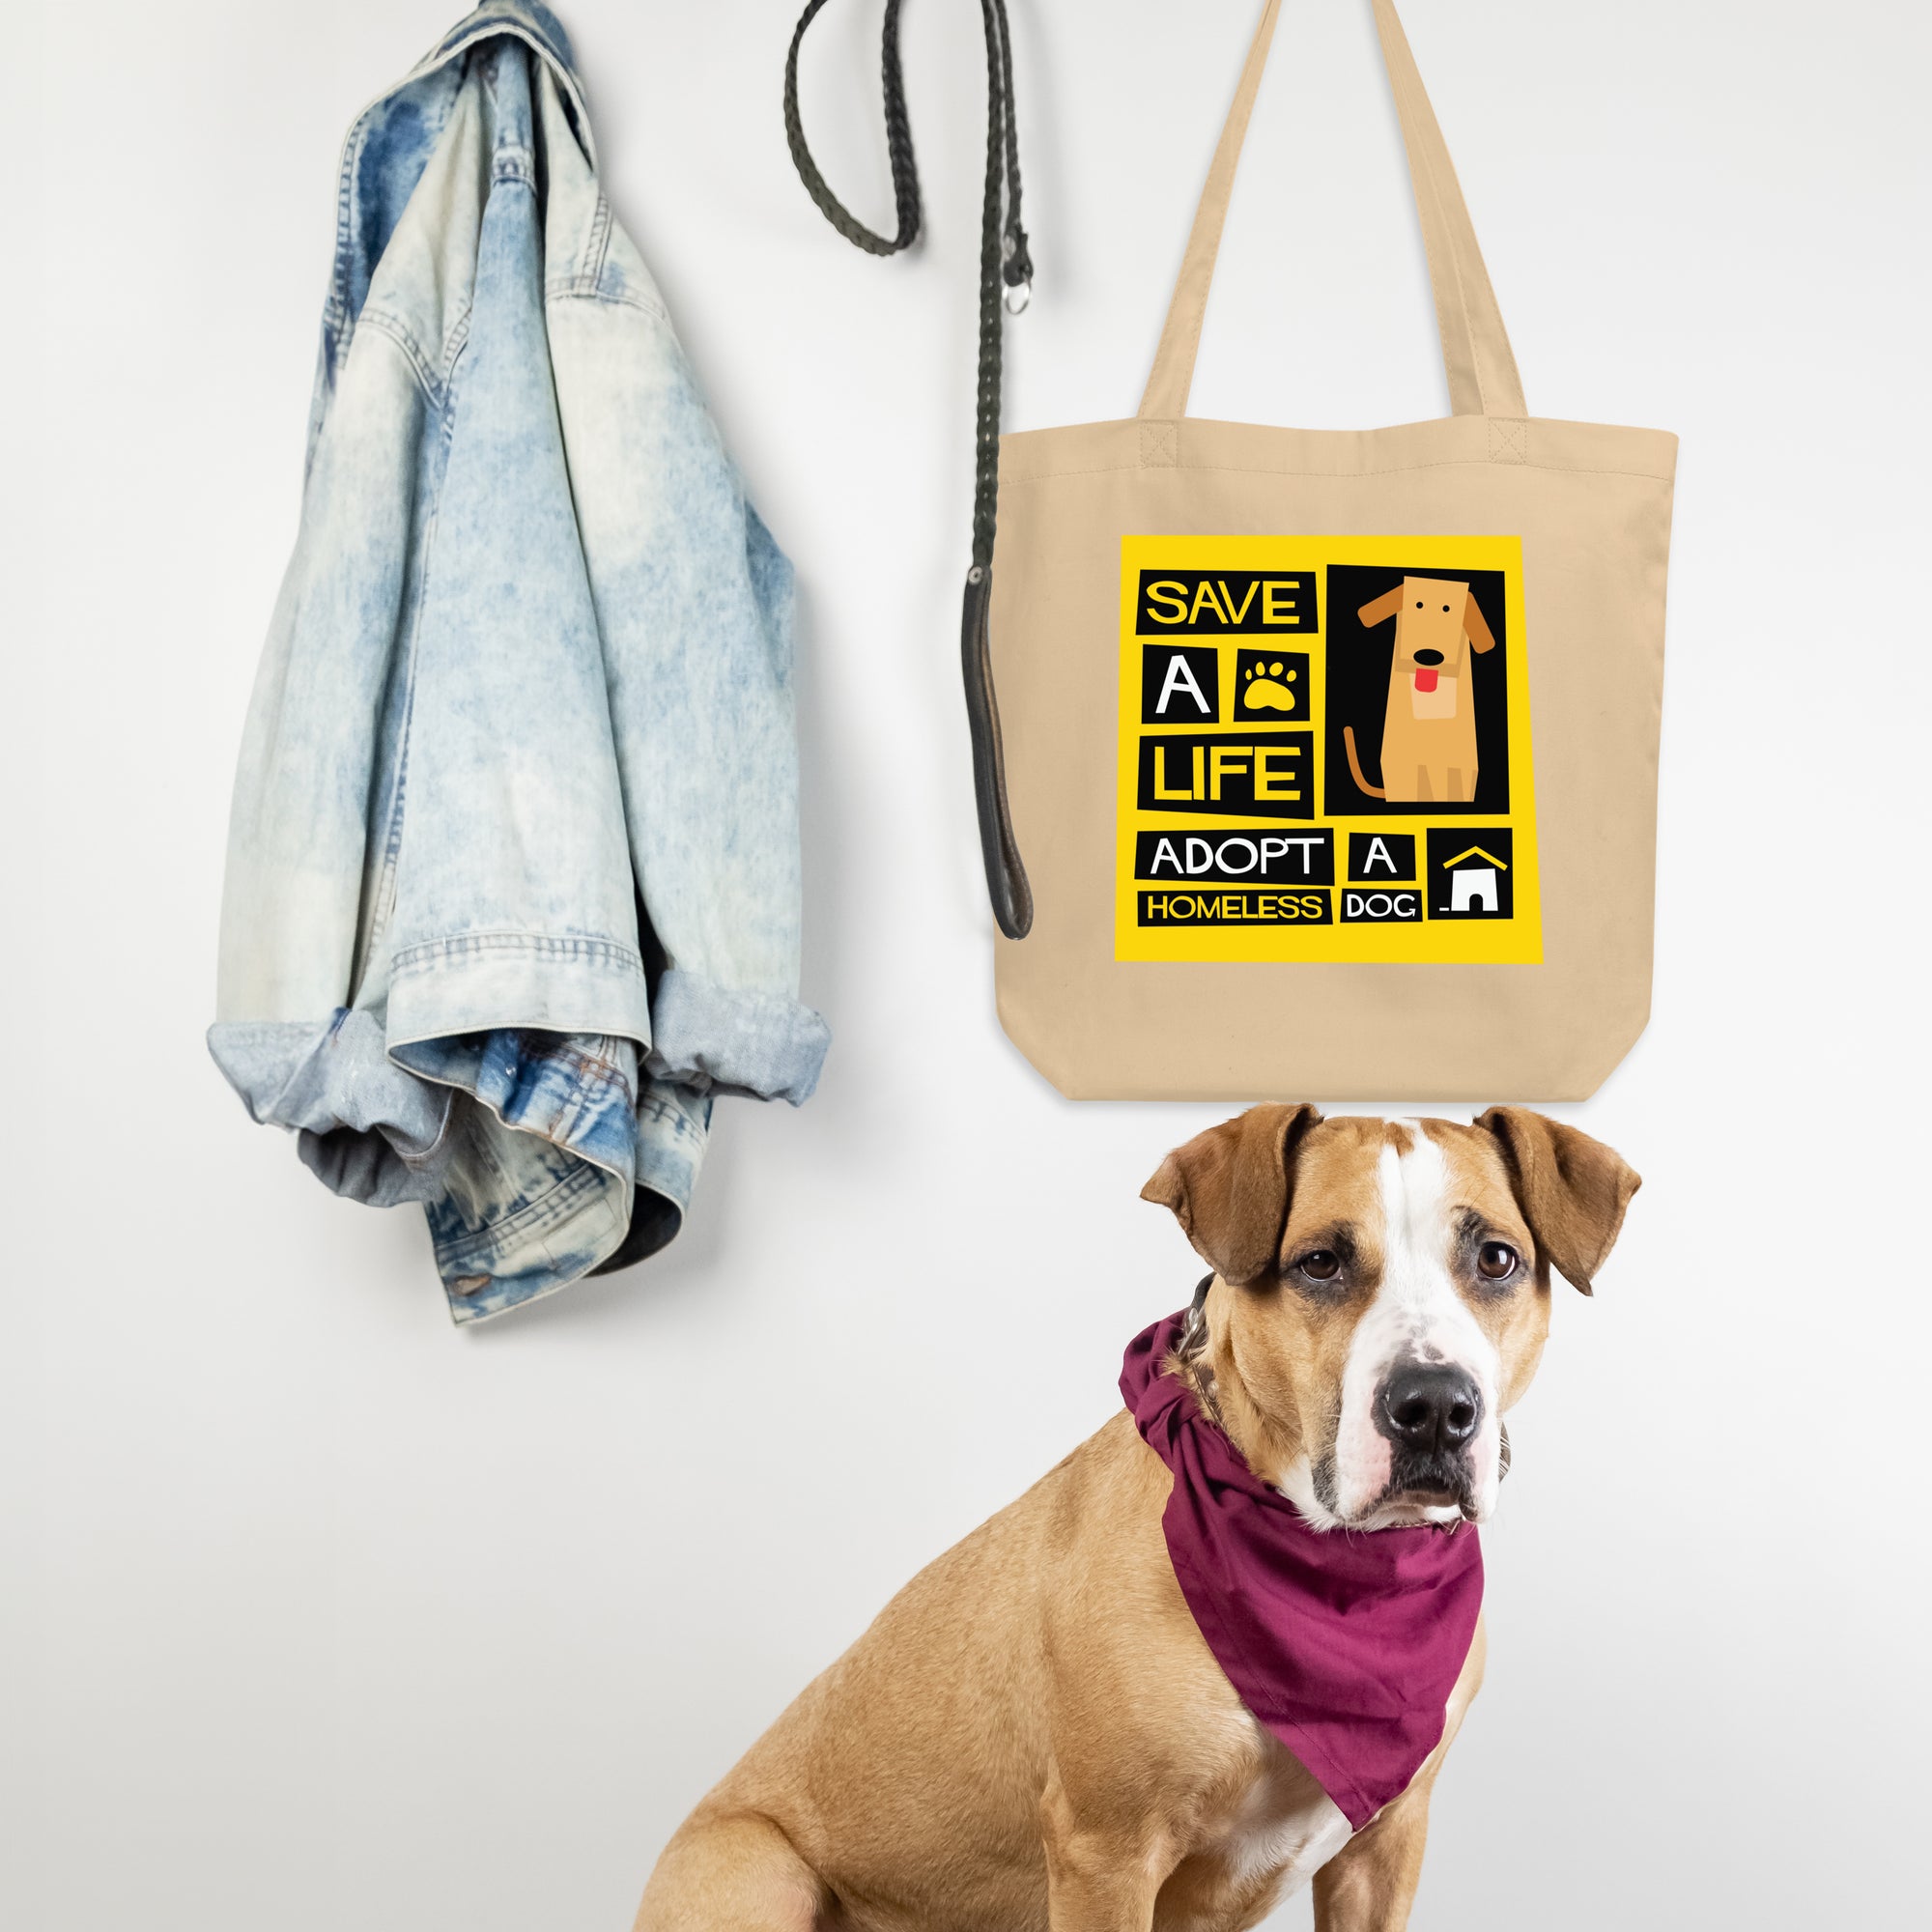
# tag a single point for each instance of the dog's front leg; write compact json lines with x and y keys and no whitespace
{"x":1099,"y":1887}
{"x":1099,"y":1877}
{"x":1370,"y":1884}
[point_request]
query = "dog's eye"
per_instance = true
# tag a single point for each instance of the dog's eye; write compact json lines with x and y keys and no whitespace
{"x":1497,"y":1261}
{"x":1445,"y":607}
{"x":1418,"y":603}
{"x":1321,"y":1264}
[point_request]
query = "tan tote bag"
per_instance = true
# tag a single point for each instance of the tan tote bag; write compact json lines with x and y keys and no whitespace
{"x":1332,"y":754}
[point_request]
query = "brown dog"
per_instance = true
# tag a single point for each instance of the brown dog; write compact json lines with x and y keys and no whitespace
{"x":1033,"y":1736}
{"x":1428,"y":730}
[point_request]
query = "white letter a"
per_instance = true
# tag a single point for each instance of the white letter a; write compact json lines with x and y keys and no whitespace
{"x":1179,"y":676}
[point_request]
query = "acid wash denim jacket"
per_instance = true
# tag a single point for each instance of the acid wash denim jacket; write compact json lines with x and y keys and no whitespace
{"x":512,"y":870}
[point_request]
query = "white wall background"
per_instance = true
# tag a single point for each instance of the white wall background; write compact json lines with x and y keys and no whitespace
{"x":318,"y":1613}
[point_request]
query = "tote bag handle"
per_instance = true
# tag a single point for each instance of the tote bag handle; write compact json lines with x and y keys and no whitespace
{"x":1475,"y":348}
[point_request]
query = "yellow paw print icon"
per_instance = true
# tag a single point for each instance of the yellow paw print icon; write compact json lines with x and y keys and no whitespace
{"x":1266,"y":687}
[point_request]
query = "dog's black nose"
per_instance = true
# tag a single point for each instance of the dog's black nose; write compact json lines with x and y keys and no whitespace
{"x":1429,"y":656}
{"x":1431,"y":1409}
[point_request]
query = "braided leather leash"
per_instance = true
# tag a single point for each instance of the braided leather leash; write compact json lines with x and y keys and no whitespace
{"x":1003,"y":257}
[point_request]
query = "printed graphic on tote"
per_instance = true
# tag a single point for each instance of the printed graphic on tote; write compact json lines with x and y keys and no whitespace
{"x":1270,"y":684}
{"x":1361,"y":705}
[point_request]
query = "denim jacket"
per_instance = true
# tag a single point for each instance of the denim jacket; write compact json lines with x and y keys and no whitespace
{"x":513,"y":874}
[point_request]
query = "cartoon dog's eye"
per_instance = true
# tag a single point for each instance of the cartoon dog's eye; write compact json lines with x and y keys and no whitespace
{"x":1497,"y":1261}
{"x":1418,"y":603}
{"x":1445,"y":607}
{"x":1321,"y":1264}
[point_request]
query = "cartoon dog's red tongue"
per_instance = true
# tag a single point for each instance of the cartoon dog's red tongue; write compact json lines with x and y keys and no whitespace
{"x":1425,"y":677}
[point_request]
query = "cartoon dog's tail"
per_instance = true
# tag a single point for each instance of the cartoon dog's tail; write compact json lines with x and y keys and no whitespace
{"x":1356,"y":765}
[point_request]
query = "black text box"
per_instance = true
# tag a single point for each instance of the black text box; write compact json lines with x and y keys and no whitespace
{"x":1226,"y":603}
{"x":1376,"y":905}
{"x":1235,"y":909}
{"x":1183,"y":908}
{"x":1237,"y":855}
{"x":1382,"y":858}
{"x":1236,"y":774}
{"x":1181,"y":684}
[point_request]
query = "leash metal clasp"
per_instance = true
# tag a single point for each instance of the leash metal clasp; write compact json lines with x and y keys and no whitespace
{"x":1018,"y":261}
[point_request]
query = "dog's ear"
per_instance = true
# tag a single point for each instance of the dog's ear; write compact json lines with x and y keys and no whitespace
{"x":1381,"y":610}
{"x":1229,"y":1189}
{"x":1573,"y":1190}
{"x":1475,"y":626}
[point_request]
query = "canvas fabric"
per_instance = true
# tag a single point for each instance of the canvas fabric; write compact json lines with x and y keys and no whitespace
{"x":1384,"y":876}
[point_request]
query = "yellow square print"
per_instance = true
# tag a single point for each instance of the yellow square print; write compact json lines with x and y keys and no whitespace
{"x":1324,"y":752}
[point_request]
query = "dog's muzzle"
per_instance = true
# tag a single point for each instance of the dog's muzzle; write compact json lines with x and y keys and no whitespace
{"x":1430,"y":1413}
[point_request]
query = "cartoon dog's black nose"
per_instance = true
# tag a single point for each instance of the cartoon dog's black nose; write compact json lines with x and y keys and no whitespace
{"x":1429,"y":656}
{"x":1431,"y":1409}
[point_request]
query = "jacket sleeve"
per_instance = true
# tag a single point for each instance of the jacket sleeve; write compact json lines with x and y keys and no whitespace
{"x":693,"y":604}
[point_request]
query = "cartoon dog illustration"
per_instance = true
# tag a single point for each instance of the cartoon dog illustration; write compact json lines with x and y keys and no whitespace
{"x":1429,"y":732}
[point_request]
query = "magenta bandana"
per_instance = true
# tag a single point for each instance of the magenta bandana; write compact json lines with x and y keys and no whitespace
{"x":1346,"y":1645}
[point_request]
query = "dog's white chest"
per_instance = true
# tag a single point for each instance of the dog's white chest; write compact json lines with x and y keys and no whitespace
{"x":1282,"y":1829}
{"x":1437,"y":703}
{"x":1286,"y":1844}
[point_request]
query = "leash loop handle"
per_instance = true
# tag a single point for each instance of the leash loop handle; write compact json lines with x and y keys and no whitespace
{"x":1005,"y":261}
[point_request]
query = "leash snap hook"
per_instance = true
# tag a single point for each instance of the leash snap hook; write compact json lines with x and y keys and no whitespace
{"x":1016,"y":261}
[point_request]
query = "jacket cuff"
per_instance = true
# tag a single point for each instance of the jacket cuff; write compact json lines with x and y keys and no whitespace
{"x":473,"y":982}
{"x":761,"y":1045}
{"x":369,"y":1129}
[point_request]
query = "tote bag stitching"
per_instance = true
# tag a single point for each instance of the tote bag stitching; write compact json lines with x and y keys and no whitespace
{"x":1401,"y":468}
{"x":1509,"y":440}
{"x":1160,"y":445}
{"x":1326,"y":476}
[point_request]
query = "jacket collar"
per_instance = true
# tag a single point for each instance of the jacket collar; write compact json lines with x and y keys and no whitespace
{"x":535,"y":22}
{"x":526,"y":20}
